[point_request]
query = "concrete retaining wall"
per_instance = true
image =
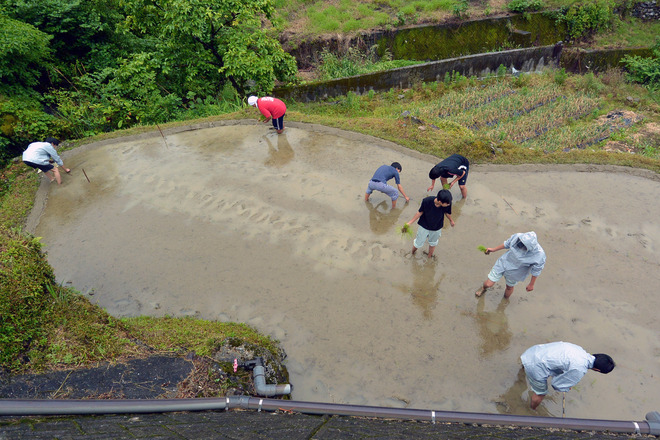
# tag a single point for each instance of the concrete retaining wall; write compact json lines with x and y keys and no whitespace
{"x":523,"y":60}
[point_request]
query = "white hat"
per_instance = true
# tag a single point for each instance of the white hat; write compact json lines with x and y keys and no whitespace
{"x":252,"y":100}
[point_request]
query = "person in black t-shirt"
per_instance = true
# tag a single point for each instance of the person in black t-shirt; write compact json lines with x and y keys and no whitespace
{"x":431,"y":216}
{"x":455,"y":166}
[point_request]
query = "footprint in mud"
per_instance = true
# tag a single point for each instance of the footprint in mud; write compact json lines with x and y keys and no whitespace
{"x":539,"y":212}
{"x":641,"y":239}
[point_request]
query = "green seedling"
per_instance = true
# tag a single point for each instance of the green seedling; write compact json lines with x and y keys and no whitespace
{"x":406,"y":230}
{"x":446,"y":186}
{"x":482,"y":249}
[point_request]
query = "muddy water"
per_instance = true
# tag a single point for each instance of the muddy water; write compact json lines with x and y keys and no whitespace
{"x":236,"y":223}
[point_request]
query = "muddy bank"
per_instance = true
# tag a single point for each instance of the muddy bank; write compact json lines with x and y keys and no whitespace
{"x":236,"y":223}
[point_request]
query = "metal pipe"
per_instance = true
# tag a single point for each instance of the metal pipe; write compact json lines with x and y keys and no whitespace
{"x":20,"y":407}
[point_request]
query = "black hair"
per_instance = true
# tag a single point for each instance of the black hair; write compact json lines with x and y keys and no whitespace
{"x":397,"y":165}
{"x":52,"y":140}
{"x":444,"y":195}
{"x":603,"y":363}
{"x":434,"y":173}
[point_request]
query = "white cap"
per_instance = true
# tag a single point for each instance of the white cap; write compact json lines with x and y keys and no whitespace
{"x":252,"y":100}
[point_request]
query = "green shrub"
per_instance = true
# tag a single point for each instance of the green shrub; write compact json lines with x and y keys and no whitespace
{"x":25,"y":301}
{"x":525,"y":5}
{"x":585,"y":18}
{"x":644,"y":70}
{"x":460,"y":9}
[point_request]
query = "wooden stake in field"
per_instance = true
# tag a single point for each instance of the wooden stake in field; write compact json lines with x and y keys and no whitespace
{"x":83,"y":170}
{"x":509,"y":204}
{"x":163,"y":136}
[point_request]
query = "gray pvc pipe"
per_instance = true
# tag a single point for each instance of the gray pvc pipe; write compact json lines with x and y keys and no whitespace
{"x":259,"y":378}
{"x":20,"y":407}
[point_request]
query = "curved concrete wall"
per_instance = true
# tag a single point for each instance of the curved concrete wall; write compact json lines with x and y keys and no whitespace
{"x":524,"y":60}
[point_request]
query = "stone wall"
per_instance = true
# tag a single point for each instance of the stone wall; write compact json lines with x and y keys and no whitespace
{"x":437,"y":42}
{"x":647,"y":10}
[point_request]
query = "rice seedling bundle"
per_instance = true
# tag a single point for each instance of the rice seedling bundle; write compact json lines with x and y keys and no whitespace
{"x":406,"y":230}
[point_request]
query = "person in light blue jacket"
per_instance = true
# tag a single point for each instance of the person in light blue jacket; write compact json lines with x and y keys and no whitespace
{"x":525,"y":256}
{"x":566,"y":363}
{"x":39,"y":155}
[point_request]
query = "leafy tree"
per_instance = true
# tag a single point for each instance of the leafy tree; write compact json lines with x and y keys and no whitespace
{"x":208,"y":42}
{"x":23,"y":52}
{"x":80,"y":29}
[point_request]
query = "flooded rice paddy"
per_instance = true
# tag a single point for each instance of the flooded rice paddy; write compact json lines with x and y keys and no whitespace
{"x":236,"y":223}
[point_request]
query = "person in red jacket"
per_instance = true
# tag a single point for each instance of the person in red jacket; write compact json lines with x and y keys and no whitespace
{"x":272,"y":109}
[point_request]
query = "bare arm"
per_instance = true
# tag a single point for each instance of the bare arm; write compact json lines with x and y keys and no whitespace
{"x":530,"y":286}
{"x":495,"y":249}
{"x":451,"y":221}
{"x":398,"y":185}
{"x":432,"y":185}
{"x":456,"y":179}
{"x":415,"y":218}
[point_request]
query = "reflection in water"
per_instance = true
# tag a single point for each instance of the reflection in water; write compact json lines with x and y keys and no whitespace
{"x":425,"y":288}
{"x":456,"y":209}
{"x":382,"y":219}
{"x":281,"y":155}
{"x":516,"y":399}
{"x":493,"y":327}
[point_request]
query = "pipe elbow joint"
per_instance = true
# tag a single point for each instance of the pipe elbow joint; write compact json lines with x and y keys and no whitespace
{"x":653,"y":419}
{"x":265,"y":390}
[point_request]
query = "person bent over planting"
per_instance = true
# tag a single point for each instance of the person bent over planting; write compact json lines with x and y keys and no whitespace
{"x":564,"y":362}
{"x":272,"y":109}
{"x":379,"y":182}
{"x":525,"y":256}
{"x":39,"y":154}
{"x":431,"y":216}
{"x":455,"y":166}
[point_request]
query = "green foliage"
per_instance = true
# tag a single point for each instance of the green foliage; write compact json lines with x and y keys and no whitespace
{"x":23,"y":52}
{"x":198,"y":335}
{"x":460,"y":9}
{"x":585,"y":18}
{"x":560,"y":76}
{"x":334,"y":66}
{"x":217,"y":40}
{"x":77,"y":28}
{"x":24,"y":301}
{"x":644,"y":70}
{"x":525,"y":5}
{"x":18,"y":185}
{"x":589,"y":84}
{"x":23,"y":121}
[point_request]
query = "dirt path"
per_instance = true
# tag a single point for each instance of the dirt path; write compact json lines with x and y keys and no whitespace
{"x":236,"y":223}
